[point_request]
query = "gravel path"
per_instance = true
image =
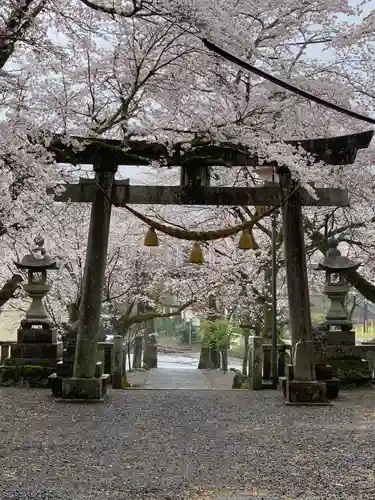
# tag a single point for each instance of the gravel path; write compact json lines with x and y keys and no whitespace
{"x":147,"y":445}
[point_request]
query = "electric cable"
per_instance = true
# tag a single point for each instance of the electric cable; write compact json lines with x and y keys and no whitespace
{"x":266,"y":76}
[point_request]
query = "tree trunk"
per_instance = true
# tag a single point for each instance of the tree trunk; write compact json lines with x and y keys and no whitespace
{"x":204,"y":358}
{"x":209,"y":358}
{"x":73,"y":312}
{"x":9,"y":287}
{"x":245,"y":359}
{"x":210,"y":354}
{"x":224,"y":358}
{"x":363,"y":286}
{"x":137,"y":353}
{"x":215,"y":357}
{"x":267,"y":309}
{"x":150,"y":353}
{"x":17,"y":23}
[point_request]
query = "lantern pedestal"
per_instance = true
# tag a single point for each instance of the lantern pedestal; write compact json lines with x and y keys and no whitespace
{"x":82,"y":389}
{"x":306,"y":393}
{"x":348,"y":365}
{"x":341,"y":337}
{"x":33,"y":359}
{"x":324,"y":375}
{"x":64,"y":371}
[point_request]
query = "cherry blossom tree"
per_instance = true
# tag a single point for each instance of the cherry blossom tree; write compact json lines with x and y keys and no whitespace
{"x":137,"y":70}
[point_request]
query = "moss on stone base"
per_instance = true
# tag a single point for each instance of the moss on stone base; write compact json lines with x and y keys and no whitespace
{"x":124,"y":383}
{"x":30,"y":375}
{"x":351,"y":372}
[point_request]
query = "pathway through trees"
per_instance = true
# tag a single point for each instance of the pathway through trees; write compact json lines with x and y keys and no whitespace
{"x":177,"y":378}
{"x":180,"y":371}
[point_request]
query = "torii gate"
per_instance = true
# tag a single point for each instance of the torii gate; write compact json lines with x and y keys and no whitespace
{"x":194,"y":189}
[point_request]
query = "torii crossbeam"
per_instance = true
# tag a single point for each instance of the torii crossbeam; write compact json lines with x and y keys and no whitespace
{"x":194,"y":189}
{"x":125,"y":194}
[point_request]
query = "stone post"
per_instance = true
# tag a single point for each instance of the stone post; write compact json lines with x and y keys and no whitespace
{"x":84,"y":384}
{"x":281,"y":355}
{"x":256,"y":382}
{"x":5,"y":352}
{"x":137,"y":352}
{"x":117,"y":362}
{"x":267,"y":350}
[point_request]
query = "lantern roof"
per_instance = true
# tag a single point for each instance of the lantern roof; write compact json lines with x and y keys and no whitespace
{"x":37,"y":260}
{"x":334,"y":261}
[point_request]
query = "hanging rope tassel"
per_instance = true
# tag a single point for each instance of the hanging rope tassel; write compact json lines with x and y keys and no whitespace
{"x":151,"y":238}
{"x":246,"y":240}
{"x":196,"y":254}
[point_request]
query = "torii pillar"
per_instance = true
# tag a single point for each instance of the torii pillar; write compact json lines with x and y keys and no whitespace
{"x":87,"y":381}
{"x":304,"y":388}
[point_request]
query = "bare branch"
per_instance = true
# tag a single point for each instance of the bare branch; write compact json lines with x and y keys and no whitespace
{"x":18,"y":23}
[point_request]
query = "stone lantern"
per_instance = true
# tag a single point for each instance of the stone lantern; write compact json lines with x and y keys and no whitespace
{"x":337,"y":337}
{"x":37,"y":350}
{"x":336,"y":267}
{"x":37,"y":264}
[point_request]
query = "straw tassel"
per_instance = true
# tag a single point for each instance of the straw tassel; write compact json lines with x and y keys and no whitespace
{"x":196,"y":254}
{"x":151,"y":238}
{"x":246,"y":241}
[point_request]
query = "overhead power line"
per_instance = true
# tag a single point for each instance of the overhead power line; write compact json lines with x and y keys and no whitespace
{"x":287,"y":86}
{"x":252,"y":69}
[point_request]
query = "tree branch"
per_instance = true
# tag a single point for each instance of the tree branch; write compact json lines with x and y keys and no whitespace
{"x":127,"y":322}
{"x":10,"y":286}
{"x":19,"y":21}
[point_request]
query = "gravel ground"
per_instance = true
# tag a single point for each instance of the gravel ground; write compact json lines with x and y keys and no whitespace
{"x":185,"y":444}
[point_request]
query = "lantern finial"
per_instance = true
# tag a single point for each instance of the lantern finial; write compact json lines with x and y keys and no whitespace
{"x":333,"y":261}
{"x":37,"y":259}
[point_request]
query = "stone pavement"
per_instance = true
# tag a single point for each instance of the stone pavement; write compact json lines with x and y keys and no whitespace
{"x":177,"y":378}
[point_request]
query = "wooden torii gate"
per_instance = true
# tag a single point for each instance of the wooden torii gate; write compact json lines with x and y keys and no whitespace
{"x":194,"y":189}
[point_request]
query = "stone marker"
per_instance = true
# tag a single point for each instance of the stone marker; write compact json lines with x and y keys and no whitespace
{"x":117,"y":362}
{"x":256,"y":376}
